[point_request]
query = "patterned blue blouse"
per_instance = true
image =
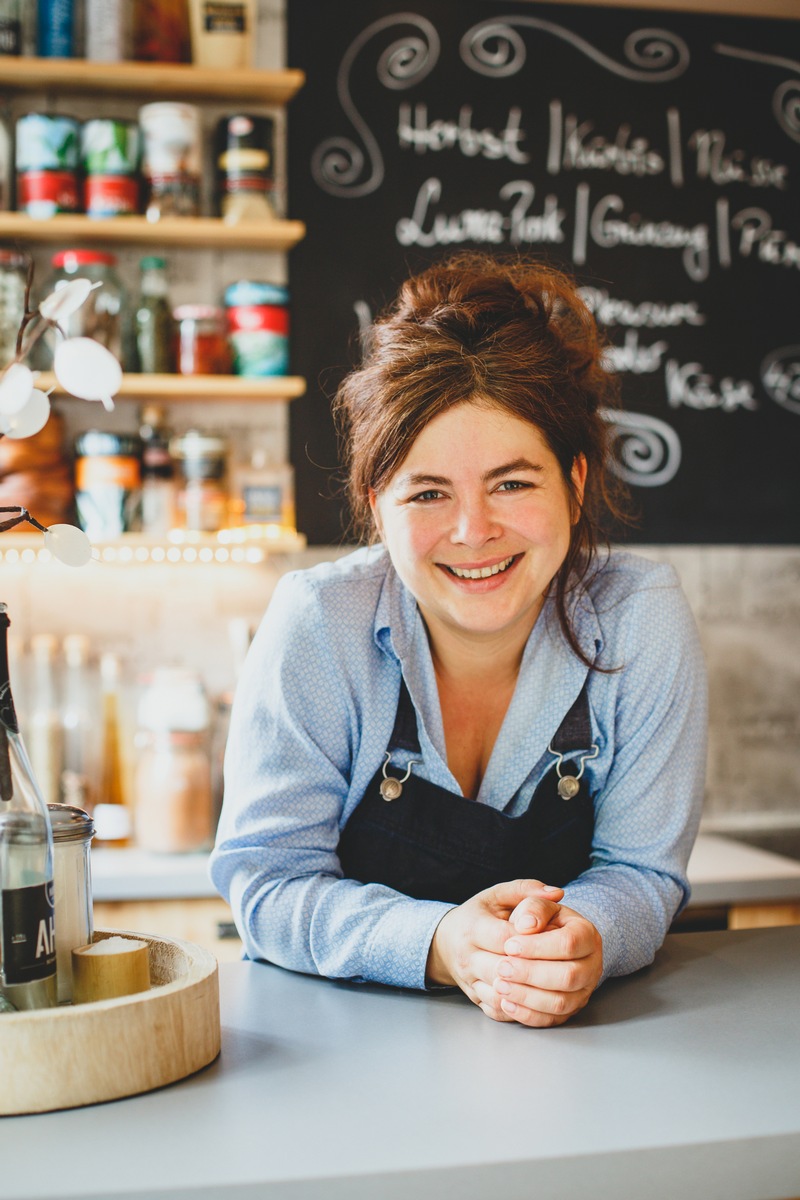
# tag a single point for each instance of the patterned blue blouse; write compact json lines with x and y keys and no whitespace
{"x":314,"y":712}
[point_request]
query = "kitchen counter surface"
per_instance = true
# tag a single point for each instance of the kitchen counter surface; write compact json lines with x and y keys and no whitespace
{"x":680,"y":1080}
{"x":721,"y":871}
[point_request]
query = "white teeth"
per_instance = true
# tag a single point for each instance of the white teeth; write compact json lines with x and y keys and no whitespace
{"x":482,"y":572}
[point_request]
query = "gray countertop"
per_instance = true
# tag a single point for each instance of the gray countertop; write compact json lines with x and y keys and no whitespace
{"x":680,"y":1081}
{"x":721,"y":871}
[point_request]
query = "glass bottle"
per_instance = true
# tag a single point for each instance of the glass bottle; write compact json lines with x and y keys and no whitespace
{"x":45,"y":731}
{"x":10,"y":27}
{"x":158,"y":474}
{"x":112,"y":816}
{"x":27,"y":913}
{"x":80,"y":765}
{"x":155,"y":339}
{"x":72,"y":879}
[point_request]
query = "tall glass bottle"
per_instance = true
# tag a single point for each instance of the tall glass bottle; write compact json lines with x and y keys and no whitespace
{"x":45,"y":732}
{"x":112,"y":816}
{"x":27,"y":915}
{"x":78,"y":716}
{"x":154,"y":324}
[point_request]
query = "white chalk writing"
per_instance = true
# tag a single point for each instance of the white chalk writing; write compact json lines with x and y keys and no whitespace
{"x":634,"y":358}
{"x":647,"y":314}
{"x":780,"y":374}
{"x":480,"y":225}
{"x":757,"y":234}
{"x":415,"y":131}
{"x":610,"y":231}
{"x":688,"y":384}
{"x":574,"y":146}
{"x":721,"y":167}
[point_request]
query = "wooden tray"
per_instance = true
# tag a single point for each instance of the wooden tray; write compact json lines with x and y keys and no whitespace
{"x":86,"y":1053}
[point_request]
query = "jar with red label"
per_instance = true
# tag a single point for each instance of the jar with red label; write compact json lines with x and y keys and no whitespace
{"x":202,"y":340}
{"x":47,"y":160}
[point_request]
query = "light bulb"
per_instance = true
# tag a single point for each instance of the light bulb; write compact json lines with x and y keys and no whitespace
{"x":30,"y":419}
{"x":68,"y":544}
{"x":87,"y":370}
{"x":16,"y":386}
{"x":66,"y":300}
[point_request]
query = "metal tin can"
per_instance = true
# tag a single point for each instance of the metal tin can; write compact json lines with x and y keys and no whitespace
{"x":47,"y":158}
{"x":172,"y":162}
{"x":245,"y":166}
{"x":110,"y":151}
{"x":108,"y":479}
{"x":258,"y":328}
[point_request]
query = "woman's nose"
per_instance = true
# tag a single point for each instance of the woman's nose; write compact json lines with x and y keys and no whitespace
{"x":475,"y":523}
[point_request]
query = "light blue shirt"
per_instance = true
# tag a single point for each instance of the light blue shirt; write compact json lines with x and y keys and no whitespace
{"x":313,"y":714}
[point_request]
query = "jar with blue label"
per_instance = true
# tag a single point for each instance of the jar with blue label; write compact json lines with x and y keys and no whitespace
{"x":258,"y":326}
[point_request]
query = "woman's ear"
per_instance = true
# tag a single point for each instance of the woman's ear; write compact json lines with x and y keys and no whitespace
{"x":373,"y":504}
{"x":580,"y":469}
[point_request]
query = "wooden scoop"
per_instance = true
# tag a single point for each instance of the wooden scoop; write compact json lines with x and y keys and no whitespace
{"x":115,"y":966}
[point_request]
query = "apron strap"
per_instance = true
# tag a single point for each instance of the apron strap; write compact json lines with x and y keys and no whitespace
{"x":574,"y":732}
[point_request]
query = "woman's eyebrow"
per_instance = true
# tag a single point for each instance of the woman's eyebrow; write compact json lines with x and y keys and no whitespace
{"x":518,"y":464}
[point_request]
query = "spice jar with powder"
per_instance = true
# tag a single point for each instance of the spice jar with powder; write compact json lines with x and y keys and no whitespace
{"x":173,"y":799}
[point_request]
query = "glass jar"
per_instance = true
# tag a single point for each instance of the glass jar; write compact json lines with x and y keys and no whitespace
{"x":202,"y":499}
{"x":13,"y":280}
{"x":173,"y":797}
{"x":202,"y":340}
{"x":108,"y":480}
{"x":102,"y":314}
{"x":73,"y":830}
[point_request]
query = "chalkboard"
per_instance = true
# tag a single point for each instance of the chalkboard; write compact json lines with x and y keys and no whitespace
{"x":653,"y":154}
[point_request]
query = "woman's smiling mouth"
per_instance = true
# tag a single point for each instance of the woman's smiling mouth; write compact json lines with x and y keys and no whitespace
{"x":482,"y":572}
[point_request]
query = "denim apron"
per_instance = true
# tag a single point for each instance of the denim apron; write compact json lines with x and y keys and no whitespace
{"x":432,"y":844}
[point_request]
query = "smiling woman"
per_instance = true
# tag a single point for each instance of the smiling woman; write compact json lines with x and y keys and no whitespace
{"x":472,"y":754}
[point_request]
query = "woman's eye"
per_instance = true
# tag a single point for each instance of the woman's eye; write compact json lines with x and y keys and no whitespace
{"x":513,"y":485}
{"x":425,"y":497}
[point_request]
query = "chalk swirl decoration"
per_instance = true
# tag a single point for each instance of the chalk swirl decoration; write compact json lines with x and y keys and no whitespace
{"x":341,"y":166}
{"x":494,"y":48}
{"x":647,"y":452}
{"x":786,"y":107}
{"x":780,"y":375}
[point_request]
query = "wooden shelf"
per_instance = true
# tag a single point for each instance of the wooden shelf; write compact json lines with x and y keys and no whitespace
{"x":198,"y":233}
{"x":179,"y":388}
{"x":153,"y":81}
{"x":248,"y":545}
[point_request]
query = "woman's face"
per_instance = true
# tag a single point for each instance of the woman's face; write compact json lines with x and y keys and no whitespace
{"x":477,"y":521}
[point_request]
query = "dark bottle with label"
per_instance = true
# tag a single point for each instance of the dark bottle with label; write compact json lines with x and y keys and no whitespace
{"x":10,"y":27}
{"x":155,"y":336}
{"x":27,"y":916}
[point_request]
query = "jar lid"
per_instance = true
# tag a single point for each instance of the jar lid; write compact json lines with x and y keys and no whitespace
{"x":100,"y":442}
{"x":70,"y":259}
{"x":194,"y":444}
{"x":247,"y":292}
{"x":152,"y":262}
{"x":13,"y":258}
{"x":197,"y":312}
{"x":70,"y":824}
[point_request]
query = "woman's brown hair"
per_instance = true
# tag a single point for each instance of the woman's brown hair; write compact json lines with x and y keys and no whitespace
{"x":514,"y":333}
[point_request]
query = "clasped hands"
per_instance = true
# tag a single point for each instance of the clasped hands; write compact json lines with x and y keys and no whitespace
{"x":518,"y":953}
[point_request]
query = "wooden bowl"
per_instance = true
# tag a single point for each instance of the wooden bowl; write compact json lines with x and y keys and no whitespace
{"x":86,"y":1053}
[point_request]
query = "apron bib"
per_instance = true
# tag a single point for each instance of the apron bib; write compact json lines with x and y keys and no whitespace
{"x":432,"y":844}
